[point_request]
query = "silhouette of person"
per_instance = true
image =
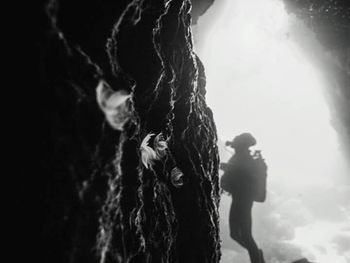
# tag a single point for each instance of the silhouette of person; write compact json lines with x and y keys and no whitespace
{"x":240,"y":171}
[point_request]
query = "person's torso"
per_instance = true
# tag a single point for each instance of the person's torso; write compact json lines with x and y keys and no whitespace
{"x":242,"y":168}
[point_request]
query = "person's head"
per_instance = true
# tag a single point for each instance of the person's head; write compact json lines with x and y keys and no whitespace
{"x":242,"y":142}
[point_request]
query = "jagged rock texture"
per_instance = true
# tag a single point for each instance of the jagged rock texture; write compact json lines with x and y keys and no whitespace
{"x":97,"y":201}
{"x":100,"y":203}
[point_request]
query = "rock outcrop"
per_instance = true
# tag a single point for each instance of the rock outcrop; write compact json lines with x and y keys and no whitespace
{"x":127,"y":156}
{"x":330,"y":21}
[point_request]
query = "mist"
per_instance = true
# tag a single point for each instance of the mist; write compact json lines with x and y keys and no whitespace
{"x":265,"y":76}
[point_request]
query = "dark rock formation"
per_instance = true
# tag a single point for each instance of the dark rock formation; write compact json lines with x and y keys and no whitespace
{"x":330,"y":20}
{"x":100,"y":200}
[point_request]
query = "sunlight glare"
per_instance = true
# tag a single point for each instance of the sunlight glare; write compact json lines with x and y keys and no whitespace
{"x":258,"y":81}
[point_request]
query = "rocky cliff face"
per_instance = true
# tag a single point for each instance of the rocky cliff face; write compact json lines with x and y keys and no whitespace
{"x":330,"y":20}
{"x":127,"y":154}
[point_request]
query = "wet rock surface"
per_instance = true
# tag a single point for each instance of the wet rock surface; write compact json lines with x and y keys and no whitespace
{"x":100,"y":202}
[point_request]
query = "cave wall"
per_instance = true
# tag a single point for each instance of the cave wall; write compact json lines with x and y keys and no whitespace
{"x":330,"y":21}
{"x":98,"y":201}
{"x":104,"y":195}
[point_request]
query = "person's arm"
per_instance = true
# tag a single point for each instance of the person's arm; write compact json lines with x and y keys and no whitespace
{"x":226,"y":166}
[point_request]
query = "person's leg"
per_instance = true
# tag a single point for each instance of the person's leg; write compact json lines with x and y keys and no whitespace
{"x":262,"y":260}
{"x":234,"y":222}
{"x":231,"y":220}
{"x":241,"y":229}
{"x":247,"y":237}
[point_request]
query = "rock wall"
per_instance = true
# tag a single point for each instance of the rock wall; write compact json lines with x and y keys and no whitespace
{"x":330,"y":20}
{"x":127,"y":156}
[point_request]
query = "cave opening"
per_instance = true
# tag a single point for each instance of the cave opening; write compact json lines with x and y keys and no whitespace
{"x":264,"y":76}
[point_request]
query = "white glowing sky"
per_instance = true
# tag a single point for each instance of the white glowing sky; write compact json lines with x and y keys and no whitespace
{"x":259,"y":81}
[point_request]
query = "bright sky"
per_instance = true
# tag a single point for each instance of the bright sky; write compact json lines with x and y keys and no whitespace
{"x":259,"y":81}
